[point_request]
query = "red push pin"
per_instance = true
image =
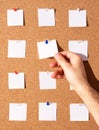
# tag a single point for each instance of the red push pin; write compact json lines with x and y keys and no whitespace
{"x":16,"y":72}
{"x":15,"y":9}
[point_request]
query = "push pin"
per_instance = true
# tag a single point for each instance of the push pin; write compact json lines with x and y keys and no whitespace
{"x":15,"y":9}
{"x":16,"y":72}
{"x":46,"y":9}
{"x":80,"y":41}
{"x":47,"y":72}
{"x":78,"y":9}
{"x":46,"y":41}
{"x":47,"y":103}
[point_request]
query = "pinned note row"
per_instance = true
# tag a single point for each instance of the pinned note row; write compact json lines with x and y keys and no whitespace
{"x":79,"y":47}
{"x":47,"y":48}
{"x":16,"y":80}
{"x":46,"y":17}
{"x":47,"y":111}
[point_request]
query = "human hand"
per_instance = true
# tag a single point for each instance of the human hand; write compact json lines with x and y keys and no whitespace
{"x":70,"y":66}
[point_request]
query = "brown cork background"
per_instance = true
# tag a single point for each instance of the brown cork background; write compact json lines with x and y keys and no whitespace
{"x":31,"y":65}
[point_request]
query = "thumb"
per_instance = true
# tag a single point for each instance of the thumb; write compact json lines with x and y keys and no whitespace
{"x":61,"y":60}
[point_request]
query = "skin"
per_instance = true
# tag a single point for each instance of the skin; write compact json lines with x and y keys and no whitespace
{"x":70,"y":66}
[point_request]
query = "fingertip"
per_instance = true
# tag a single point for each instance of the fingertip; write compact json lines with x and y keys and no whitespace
{"x":57,"y":55}
{"x":62,"y":60}
{"x":53,"y":64}
{"x":59,"y":77}
{"x":53,"y":75}
{"x":73,"y":56}
{"x":56,"y":76}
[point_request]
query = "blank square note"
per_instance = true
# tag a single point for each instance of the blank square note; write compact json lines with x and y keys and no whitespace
{"x":79,"y":112}
{"x":77,"y":18}
{"x":46,"y":17}
{"x":47,"y":111}
{"x":16,"y":81}
{"x":16,"y":48}
{"x":45,"y":80}
{"x":17,"y":111}
{"x":15,"y":18}
{"x":47,"y":49}
{"x":79,"y":47}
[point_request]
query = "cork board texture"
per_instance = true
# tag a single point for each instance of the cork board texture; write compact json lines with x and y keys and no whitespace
{"x":31,"y":65}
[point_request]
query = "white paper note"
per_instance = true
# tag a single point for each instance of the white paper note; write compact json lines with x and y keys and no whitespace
{"x":79,"y":47}
{"x":79,"y":112}
{"x":15,"y":18}
{"x":47,"y":112}
{"x":47,"y":50}
{"x":16,"y":48}
{"x":45,"y":80}
{"x":77,"y":18}
{"x":16,"y":81}
{"x":46,"y":17}
{"x":17,"y":111}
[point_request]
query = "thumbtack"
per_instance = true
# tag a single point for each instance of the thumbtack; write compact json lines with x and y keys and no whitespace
{"x":46,"y":41}
{"x":46,"y":9}
{"x":47,"y":103}
{"x":16,"y":72}
{"x":80,"y":41}
{"x":47,"y":72}
{"x":78,"y":9}
{"x":15,"y":9}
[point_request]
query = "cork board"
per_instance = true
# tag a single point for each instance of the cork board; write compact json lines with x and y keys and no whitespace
{"x":31,"y":65}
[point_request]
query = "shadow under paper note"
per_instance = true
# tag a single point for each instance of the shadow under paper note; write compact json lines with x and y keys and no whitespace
{"x":91,"y":77}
